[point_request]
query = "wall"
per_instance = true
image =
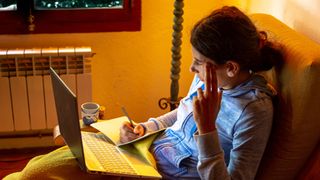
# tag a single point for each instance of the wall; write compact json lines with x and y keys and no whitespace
{"x":301,"y":15}
{"x":130,"y":68}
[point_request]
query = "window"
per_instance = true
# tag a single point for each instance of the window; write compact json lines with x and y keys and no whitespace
{"x":69,"y":16}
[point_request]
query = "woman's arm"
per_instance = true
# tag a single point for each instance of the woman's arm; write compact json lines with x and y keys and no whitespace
{"x":160,"y":122}
{"x":129,"y":133}
{"x":251,"y":133}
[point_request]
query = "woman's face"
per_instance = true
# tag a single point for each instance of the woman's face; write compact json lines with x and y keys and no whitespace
{"x":199,"y":64}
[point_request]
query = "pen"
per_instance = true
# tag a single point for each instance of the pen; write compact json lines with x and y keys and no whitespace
{"x":126,"y":113}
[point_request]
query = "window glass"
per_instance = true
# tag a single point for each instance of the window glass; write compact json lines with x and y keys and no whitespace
{"x":69,"y":16}
{"x":77,"y":4}
{"x":8,"y":5}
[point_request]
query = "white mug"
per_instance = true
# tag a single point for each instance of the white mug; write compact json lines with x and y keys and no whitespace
{"x":90,"y":112}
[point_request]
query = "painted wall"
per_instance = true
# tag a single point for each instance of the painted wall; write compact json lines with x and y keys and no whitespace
{"x":301,"y":15}
{"x":130,"y":68}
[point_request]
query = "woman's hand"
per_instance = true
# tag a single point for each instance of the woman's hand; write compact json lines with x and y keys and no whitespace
{"x":206,"y":105}
{"x":129,"y":133}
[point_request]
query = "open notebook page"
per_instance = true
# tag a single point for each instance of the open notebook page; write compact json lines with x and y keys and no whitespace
{"x":111,"y":129}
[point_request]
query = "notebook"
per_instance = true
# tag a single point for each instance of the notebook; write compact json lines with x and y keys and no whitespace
{"x":111,"y":129}
{"x":95,"y":153}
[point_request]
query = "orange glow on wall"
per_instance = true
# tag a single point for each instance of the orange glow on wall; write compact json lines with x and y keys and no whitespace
{"x":130,"y":69}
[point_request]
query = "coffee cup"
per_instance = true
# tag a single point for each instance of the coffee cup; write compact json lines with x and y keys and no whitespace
{"x":90,"y":112}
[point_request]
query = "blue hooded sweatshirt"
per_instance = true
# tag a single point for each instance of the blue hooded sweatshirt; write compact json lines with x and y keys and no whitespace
{"x":233,"y":151}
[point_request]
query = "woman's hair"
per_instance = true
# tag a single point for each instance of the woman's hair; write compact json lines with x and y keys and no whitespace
{"x":228,"y":34}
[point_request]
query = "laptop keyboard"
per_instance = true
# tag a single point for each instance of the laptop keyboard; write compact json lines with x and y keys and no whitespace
{"x":107,"y":154}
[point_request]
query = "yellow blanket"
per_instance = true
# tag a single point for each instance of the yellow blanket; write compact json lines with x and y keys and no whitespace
{"x":61,"y":164}
{"x":58,"y":164}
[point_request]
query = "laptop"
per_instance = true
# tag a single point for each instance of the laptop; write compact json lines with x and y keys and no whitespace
{"x":94,"y":152}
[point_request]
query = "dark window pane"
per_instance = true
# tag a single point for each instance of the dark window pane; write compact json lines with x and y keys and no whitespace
{"x":8,"y":5}
{"x":125,"y":17}
{"x":77,"y":4}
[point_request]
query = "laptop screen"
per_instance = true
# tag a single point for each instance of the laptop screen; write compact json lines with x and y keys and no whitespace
{"x":68,"y":119}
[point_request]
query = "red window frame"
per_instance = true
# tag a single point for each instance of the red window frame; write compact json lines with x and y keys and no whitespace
{"x":11,"y":22}
{"x":127,"y":18}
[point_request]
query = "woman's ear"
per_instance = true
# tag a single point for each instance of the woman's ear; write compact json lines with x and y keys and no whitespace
{"x":232,"y":68}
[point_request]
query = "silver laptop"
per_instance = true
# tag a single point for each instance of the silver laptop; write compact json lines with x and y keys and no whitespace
{"x":93,"y":151}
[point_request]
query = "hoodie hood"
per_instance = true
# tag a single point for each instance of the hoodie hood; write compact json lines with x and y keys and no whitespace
{"x":256,"y":82}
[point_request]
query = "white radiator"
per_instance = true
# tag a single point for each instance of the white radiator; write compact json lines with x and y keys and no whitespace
{"x":26,"y":96}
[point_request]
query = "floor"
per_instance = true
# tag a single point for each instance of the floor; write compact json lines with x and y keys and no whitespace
{"x":14,"y":160}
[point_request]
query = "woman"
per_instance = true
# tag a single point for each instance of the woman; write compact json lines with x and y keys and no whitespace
{"x":221,"y":128}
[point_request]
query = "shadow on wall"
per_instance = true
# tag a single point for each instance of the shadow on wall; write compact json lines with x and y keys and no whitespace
{"x":303,"y":16}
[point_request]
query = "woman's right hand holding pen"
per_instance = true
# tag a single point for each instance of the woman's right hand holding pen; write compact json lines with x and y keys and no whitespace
{"x":129,"y":132}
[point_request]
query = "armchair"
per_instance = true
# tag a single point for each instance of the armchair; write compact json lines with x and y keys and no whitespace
{"x":296,"y":132}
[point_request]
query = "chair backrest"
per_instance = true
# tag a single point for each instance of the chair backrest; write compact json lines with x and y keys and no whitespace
{"x":296,"y":130}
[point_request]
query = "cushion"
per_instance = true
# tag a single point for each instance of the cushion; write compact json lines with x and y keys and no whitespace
{"x":296,"y":130}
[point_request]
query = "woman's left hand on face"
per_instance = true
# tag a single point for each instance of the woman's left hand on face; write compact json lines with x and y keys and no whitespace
{"x":206,"y":105}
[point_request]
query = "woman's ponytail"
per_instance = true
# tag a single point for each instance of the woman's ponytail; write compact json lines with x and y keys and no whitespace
{"x":270,"y":54}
